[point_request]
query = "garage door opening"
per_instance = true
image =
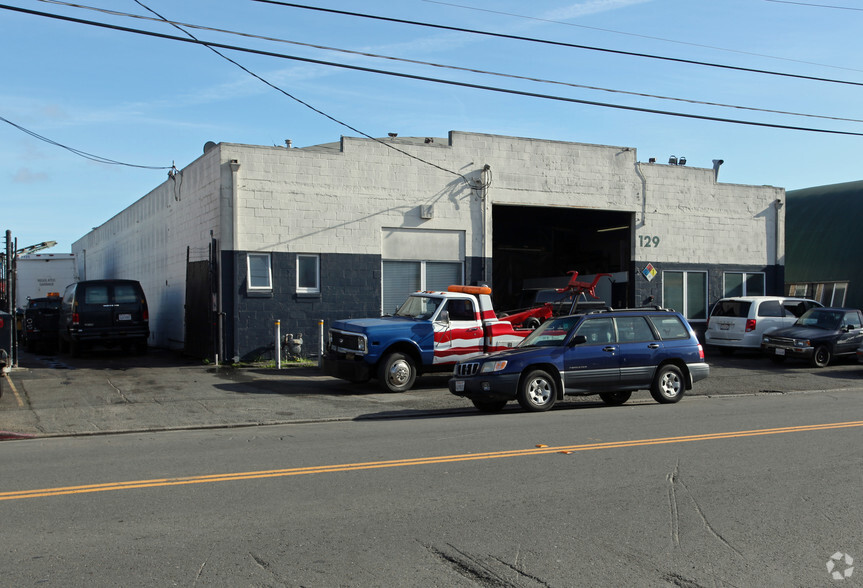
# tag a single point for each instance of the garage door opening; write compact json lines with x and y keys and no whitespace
{"x":533,"y":245}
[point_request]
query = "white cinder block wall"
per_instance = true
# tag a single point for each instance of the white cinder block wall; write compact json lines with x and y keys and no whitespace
{"x":340,"y":198}
{"x":148,"y":241}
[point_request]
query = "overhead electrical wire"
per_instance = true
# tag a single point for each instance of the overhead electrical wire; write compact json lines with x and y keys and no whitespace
{"x":452,"y":67}
{"x":78,"y":152}
{"x":638,"y":35}
{"x":815,"y":5}
{"x":302,"y":102}
{"x":557,"y":43}
{"x":419,"y":78}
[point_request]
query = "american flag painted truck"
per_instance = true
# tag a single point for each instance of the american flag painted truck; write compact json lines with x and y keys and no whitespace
{"x":430,"y":332}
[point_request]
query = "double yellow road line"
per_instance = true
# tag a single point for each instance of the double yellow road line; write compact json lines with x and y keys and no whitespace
{"x":398,"y":463}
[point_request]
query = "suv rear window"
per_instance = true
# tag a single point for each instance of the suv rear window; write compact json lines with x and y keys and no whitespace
{"x":732,"y":308}
{"x":669,"y":327}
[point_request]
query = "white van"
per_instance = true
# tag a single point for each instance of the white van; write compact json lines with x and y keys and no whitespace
{"x":739,"y":323}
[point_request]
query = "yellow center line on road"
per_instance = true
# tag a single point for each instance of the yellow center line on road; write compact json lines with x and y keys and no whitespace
{"x":14,"y":391}
{"x":163,"y":482}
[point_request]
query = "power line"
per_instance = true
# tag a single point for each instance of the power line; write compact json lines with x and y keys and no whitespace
{"x":306,"y":104}
{"x":419,"y":78}
{"x":638,"y":35}
{"x":177,"y":24}
{"x":84,"y":154}
{"x":560,"y":43}
{"x":815,"y":5}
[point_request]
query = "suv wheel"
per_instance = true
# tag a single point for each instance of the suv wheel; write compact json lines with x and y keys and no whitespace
{"x":537,"y":391}
{"x":668,"y":386}
{"x":615,"y":398}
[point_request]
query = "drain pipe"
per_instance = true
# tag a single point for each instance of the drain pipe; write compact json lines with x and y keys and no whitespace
{"x":235,"y":246}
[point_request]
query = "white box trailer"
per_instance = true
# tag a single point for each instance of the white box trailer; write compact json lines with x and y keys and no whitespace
{"x":40,"y":274}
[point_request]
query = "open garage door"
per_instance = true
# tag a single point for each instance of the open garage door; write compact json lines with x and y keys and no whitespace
{"x":532,"y":245}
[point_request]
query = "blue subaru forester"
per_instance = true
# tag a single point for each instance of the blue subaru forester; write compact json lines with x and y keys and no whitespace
{"x":609,"y":352}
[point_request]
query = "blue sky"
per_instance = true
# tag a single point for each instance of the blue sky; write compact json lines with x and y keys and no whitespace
{"x":153,"y":102}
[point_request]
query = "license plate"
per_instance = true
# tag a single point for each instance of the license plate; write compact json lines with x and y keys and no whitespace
{"x":124,"y":317}
{"x":780,"y":352}
{"x":459,"y":385}
{"x":724,"y":326}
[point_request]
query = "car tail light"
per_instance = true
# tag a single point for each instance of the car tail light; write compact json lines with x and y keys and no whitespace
{"x":700,"y":351}
{"x":146,"y":314}
{"x":75,"y":318}
{"x":750,"y":325}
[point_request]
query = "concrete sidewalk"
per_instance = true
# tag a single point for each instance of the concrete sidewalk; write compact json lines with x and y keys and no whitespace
{"x":105,"y":392}
{"x":109,"y":393}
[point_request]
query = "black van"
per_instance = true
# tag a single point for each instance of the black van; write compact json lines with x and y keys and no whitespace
{"x":104,"y":313}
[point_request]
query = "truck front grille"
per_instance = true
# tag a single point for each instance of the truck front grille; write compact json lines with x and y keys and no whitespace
{"x":347,"y":342}
{"x":467,"y":369}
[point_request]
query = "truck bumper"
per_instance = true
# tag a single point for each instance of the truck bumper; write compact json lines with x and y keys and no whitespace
{"x":352,"y":370}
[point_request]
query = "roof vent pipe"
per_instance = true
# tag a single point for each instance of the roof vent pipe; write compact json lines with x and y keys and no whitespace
{"x":716,"y":164}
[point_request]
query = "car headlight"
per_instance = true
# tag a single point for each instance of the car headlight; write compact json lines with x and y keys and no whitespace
{"x":801,"y":343}
{"x":492,"y":366}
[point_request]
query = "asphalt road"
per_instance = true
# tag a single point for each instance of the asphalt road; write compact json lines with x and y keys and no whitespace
{"x":727,"y":490}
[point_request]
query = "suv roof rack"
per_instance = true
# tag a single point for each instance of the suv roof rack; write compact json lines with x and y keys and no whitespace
{"x":609,"y":309}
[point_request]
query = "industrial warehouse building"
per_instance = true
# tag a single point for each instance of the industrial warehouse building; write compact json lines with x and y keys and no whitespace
{"x":247,"y":235}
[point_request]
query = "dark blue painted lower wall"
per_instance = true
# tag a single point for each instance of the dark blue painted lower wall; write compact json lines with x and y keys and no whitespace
{"x":351,"y":288}
{"x":643,"y":289}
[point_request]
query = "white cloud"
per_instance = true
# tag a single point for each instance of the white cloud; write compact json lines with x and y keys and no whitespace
{"x":26,"y":176}
{"x":590,"y":7}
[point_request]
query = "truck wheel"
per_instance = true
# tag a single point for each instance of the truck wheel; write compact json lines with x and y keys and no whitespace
{"x":489,"y":405}
{"x":822,"y":356}
{"x":537,"y":392}
{"x":74,"y":348}
{"x":397,"y":373}
{"x":668,"y":385}
{"x":615,"y":398}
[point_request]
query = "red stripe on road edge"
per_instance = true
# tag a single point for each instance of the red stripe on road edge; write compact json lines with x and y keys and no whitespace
{"x":6,"y":435}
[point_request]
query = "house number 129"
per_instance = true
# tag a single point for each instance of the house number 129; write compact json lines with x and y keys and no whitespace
{"x":648,"y":241}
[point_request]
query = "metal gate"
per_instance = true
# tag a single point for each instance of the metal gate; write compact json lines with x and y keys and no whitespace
{"x":201,"y":336}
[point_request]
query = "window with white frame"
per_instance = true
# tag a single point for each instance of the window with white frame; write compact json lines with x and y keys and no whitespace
{"x":685,"y":292}
{"x":308,"y":274}
{"x":402,"y":278}
{"x":259,"y":271}
{"x":743,"y":284}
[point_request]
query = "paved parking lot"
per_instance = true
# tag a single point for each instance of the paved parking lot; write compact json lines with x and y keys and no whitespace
{"x":107,"y":391}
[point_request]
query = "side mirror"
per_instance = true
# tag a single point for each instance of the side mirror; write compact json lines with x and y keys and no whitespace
{"x":577,"y":340}
{"x":443,"y":317}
